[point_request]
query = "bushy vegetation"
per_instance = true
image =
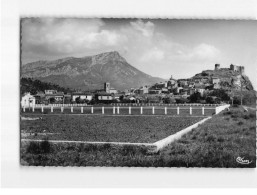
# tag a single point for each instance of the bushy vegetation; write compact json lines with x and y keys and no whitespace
{"x":33,"y":86}
{"x":39,"y":147}
{"x":248,"y":97}
{"x":221,"y":94}
{"x":196,"y":98}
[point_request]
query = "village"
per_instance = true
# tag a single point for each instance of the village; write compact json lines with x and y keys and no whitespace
{"x":168,"y":92}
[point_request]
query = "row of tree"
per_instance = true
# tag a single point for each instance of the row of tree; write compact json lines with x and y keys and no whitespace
{"x":33,"y":86}
{"x":220,"y":95}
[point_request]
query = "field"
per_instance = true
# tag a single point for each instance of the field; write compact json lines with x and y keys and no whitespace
{"x":216,"y":143}
{"x":134,"y":129}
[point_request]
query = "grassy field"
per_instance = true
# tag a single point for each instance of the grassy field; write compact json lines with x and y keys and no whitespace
{"x":216,"y":143}
{"x":135,"y":129}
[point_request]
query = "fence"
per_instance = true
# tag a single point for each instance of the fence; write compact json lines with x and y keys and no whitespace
{"x":128,"y":104}
{"x":129,"y":110}
{"x":161,"y":104}
{"x":60,"y":105}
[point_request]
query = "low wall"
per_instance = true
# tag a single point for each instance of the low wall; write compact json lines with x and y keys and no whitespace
{"x":221,"y":108}
{"x":168,"y":140}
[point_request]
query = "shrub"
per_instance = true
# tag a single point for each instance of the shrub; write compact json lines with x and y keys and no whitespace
{"x":240,"y":123}
{"x":33,"y":148}
{"x":211,"y":138}
{"x":221,"y":139}
{"x":246,"y":117}
{"x":88,"y":147}
{"x":252,"y":128}
{"x":45,"y":146}
{"x":227,"y":113}
{"x":127,"y":149}
{"x":39,"y":147}
{"x":105,"y":146}
{"x":252,"y":115}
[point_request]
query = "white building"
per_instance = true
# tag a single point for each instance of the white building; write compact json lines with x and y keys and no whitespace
{"x":50,"y":91}
{"x":104,"y":96}
{"x":82,"y":96}
{"x":112,"y":90}
{"x":28,"y":100}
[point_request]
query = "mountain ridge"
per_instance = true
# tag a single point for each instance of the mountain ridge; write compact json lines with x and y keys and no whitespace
{"x":89,"y":72}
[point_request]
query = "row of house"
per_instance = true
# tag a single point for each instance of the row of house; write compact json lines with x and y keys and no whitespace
{"x":185,"y":87}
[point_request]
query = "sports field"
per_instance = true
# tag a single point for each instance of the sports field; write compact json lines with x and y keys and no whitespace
{"x":219,"y":142}
{"x":103,"y":128}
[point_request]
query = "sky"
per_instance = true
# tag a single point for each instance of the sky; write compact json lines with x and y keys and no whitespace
{"x":158,"y":47}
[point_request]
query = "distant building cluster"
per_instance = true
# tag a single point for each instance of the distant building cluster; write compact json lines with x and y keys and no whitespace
{"x":171,"y":91}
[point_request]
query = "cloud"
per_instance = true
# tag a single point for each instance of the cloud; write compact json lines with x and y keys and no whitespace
{"x":147,"y":28}
{"x":139,"y":41}
{"x":205,"y":51}
{"x":154,"y":54}
{"x":65,"y":36}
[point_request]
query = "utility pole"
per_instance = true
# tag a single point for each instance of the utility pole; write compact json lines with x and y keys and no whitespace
{"x":232,"y":97}
{"x":241,"y":90}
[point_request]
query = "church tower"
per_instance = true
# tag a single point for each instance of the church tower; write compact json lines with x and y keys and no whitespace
{"x":107,"y":87}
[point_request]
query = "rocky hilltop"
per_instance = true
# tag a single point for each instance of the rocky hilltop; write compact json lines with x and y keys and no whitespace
{"x":89,"y":73}
{"x":229,"y":79}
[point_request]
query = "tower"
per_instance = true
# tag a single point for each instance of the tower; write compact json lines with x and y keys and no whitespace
{"x":217,"y":66}
{"x":233,"y":67}
{"x":242,"y":69}
{"x":107,"y":87}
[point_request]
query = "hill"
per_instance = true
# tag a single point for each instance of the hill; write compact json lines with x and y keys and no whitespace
{"x":89,"y":73}
{"x":229,"y":79}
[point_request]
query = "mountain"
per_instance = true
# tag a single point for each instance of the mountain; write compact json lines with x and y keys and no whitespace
{"x":229,"y":79}
{"x":89,"y":73}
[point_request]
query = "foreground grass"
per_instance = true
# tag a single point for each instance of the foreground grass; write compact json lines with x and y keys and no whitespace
{"x":216,"y":143}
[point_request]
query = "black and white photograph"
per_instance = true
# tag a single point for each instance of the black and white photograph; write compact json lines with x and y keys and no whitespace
{"x":137,"y":92}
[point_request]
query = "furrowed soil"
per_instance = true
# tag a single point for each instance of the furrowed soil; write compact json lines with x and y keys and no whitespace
{"x":101,"y":128}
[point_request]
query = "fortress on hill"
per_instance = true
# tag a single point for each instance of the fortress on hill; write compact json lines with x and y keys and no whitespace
{"x":240,"y":69}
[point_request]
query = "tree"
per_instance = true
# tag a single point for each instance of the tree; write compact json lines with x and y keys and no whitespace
{"x":204,"y":74}
{"x":121,"y":97}
{"x":217,"y":100}
{"x":67,"y":100}
{"x":221,"y":93}
{"x":209,"y":100}
{"x":237,"y":100}
{"x":181,"y":100}
{"x":52,"y":100}
{"x":166,"y":100}
{"x":93,"y":101}
{"x":195,"y":97}
{"x":77,"y":100}
{"x":34,"y":86}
